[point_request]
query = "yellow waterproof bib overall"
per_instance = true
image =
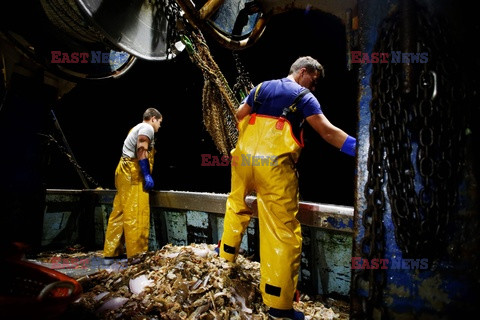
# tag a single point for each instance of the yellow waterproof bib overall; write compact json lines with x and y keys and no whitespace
{"x":275,"y":181}
{"x":129,"y":221}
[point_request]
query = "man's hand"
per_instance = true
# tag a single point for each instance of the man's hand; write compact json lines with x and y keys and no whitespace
{"x":148,"y":182}
{"x":145,"y":166}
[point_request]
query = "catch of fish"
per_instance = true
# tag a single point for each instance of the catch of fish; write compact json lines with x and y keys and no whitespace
{"x":183,"y":283}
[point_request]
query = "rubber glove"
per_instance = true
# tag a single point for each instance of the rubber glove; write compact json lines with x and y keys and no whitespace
{"x":145,"y":166}
{"x":349,"y":146}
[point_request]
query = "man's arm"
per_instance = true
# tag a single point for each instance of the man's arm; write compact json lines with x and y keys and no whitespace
{"x":142,"y":156}
{"x":142,"y":147}
{"x":332,"y":134}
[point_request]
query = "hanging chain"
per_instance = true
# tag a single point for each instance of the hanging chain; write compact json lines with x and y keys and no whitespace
{"x":71,"y":159}
{"x":243,"y":84}
{"x":172,"y":12}
{"x":424,"y":137}
{"x":219,"y":102}
{"x":416,"y":153}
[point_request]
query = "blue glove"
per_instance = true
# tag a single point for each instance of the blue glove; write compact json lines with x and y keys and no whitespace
{"x":349,"y":146}
{"x":145,"y":166}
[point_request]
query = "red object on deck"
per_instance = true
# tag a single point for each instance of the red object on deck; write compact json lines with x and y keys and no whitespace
{"x":32,"y":291}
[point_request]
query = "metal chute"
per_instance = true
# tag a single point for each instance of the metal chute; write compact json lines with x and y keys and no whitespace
{"x":145,"y":29}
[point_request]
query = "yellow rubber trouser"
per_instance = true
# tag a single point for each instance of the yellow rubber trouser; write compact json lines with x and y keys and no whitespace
{"x":276,"y":185}
{"x":129,"y":221}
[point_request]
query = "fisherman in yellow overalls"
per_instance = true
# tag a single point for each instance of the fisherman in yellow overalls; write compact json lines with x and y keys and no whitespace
{"x":129,"y":221}
{"x":269,"y":145}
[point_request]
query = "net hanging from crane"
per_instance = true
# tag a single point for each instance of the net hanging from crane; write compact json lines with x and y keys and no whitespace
{"x":218,"y":101}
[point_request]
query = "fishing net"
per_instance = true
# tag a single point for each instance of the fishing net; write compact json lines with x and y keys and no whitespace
{"x":218,"y":100}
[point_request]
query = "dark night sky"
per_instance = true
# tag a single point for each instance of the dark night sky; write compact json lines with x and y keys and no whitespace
{"x":96,"y":115}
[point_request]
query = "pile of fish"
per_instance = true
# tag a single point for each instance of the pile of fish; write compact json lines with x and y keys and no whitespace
{"x":184,"y":282}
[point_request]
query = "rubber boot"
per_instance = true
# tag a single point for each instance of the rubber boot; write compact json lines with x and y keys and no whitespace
{"x":285,"y":314}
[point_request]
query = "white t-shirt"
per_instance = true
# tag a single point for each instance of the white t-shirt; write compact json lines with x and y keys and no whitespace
{"x":130,"y":143}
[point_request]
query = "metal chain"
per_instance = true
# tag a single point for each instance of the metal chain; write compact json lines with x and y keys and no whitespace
{"x":219,"y":100}
{"x":425,"y":136}
{"x":416,"y":153}
{"x":72,"y":160}
{"x":243,"y":84}
{"x":172,"y":12}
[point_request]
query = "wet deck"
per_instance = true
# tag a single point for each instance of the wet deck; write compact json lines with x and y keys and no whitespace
{"x":182,"y":218}
{"x":88,"y":268}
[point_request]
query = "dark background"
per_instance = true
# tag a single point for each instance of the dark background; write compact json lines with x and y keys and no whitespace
{"x":96,"y":115}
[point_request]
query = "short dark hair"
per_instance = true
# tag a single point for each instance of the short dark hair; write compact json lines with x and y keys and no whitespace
{"x":152,"y":112}
{"x":308,"y":63}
